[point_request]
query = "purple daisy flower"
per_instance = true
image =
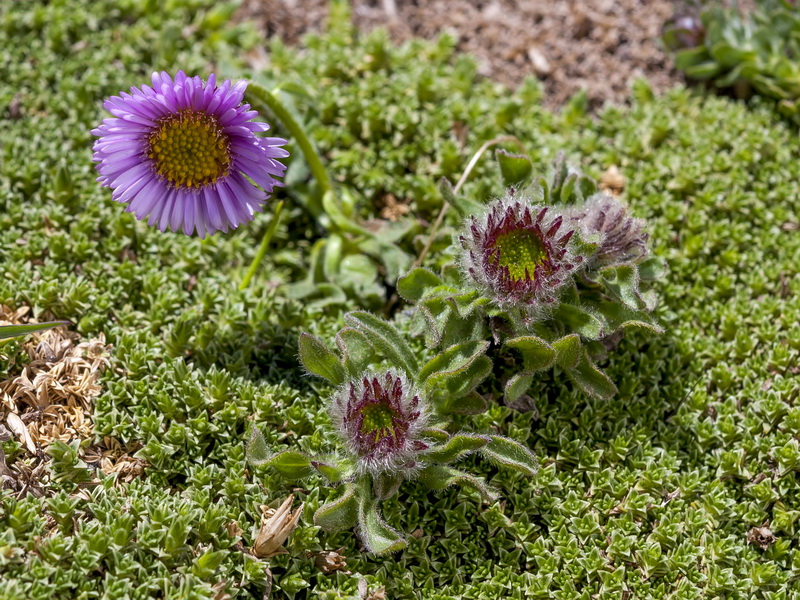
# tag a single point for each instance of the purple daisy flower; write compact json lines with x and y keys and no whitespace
{"x":519,"y":254}
{"x":380,"y":417}
{"x":183,"y":153}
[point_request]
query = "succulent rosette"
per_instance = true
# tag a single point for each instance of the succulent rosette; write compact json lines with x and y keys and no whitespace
{"x":183,"y":154}
{"x":391,"y":419}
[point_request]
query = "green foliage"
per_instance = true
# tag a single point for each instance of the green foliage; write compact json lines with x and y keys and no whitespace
{"x":650,"y":494}
{"x":747,"y":53}
{"x":447,"y":382}
{"x":598,"y":303}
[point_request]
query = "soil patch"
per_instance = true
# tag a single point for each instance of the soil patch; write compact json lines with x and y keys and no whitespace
{"x":597,"y":45}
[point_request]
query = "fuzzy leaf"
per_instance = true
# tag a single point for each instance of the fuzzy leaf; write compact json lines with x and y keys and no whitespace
{"x":580,"y":321}
{"x":12,"y":331}
{"x":333,"y":471}
{"x":384,"y":338}
{"x":652,"y":268}
{"x":290,"y":464}
{"x":618,"y":316}
{"x":445,"y":387}
{"x":338,"y":514}
{"x":439,"y":477}
{"x":623,"y":282}
{"x":457,"y":447}
{"x":317,"y":359}
{"x":591,"y":379}
{"x":471,"y":404}
{"x":568,"y":350}
{"x":356,"y":350}
{"x":386,"y":485}
{"x":377,"y":536}
{"x":514,"y":168}
{"x":454,"y":358}
{"x":537,"y":355}
{"x":416,"y":283}
{"x":516,"y":386}
{"x":257,"y":451}
{"x":511,"y":454}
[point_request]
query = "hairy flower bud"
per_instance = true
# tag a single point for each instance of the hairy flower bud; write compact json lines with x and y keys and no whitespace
{"x":622,"y":239}
{"x":380,"y":417}
{"x":519,"y":253}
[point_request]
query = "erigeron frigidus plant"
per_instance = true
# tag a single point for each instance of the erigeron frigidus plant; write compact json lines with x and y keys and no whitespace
{"x":548,"y":270}
{"x":392,"y":419}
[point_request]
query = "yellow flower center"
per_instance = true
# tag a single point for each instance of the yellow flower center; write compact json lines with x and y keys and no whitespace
{"x":377,"y":421}
{"x":190,"y":149}
{"x":520,"y":252}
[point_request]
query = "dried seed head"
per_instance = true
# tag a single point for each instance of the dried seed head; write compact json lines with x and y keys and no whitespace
{"x":622,"y":239}
{"x":519,"y":253}
{"x":276,"y":525}
{"x":380,"y":417}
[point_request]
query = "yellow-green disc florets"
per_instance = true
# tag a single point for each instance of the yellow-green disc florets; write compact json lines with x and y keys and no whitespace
{"x":521,"y":252}
{"x":380,"y":417}
{"x":189,"y":149}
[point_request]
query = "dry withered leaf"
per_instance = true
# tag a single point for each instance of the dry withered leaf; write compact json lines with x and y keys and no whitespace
{"x":276,"y":525}
{"x":53,"y":394}
{"x":329,"y":561}
{"x":761,"y":536}
{"x":612,"y":181}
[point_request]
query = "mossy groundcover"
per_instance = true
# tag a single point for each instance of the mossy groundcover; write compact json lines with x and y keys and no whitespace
{"x":649,"y":495}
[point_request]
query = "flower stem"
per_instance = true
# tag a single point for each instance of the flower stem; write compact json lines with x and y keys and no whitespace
{"x":262,"y":250}
{"x":273,"y":103}
{"x":471,"y":165}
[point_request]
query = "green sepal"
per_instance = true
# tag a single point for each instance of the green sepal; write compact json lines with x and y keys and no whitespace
{"x":568,"y":351}
{"x":514,"y":168}
{"x":454,"y":358}
{"x":417,"y":283}
{"x":317,"y":359}
{"x":590,"y":379}
{"x":357,"y":353}
{"x":376,"y":535}
{"x":580,"y":321}
{"x":12,"y":331}
{"x":386,"y":485}
{"x":511,"y":454}
{"x":339,"y":514}
{"x":537,"y":354}
{"x":384,"y":339}
{"x":332,"y":470}
{"x":440,"y":477}
{"x":457,"y":447}
{"x":516,"y":386}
